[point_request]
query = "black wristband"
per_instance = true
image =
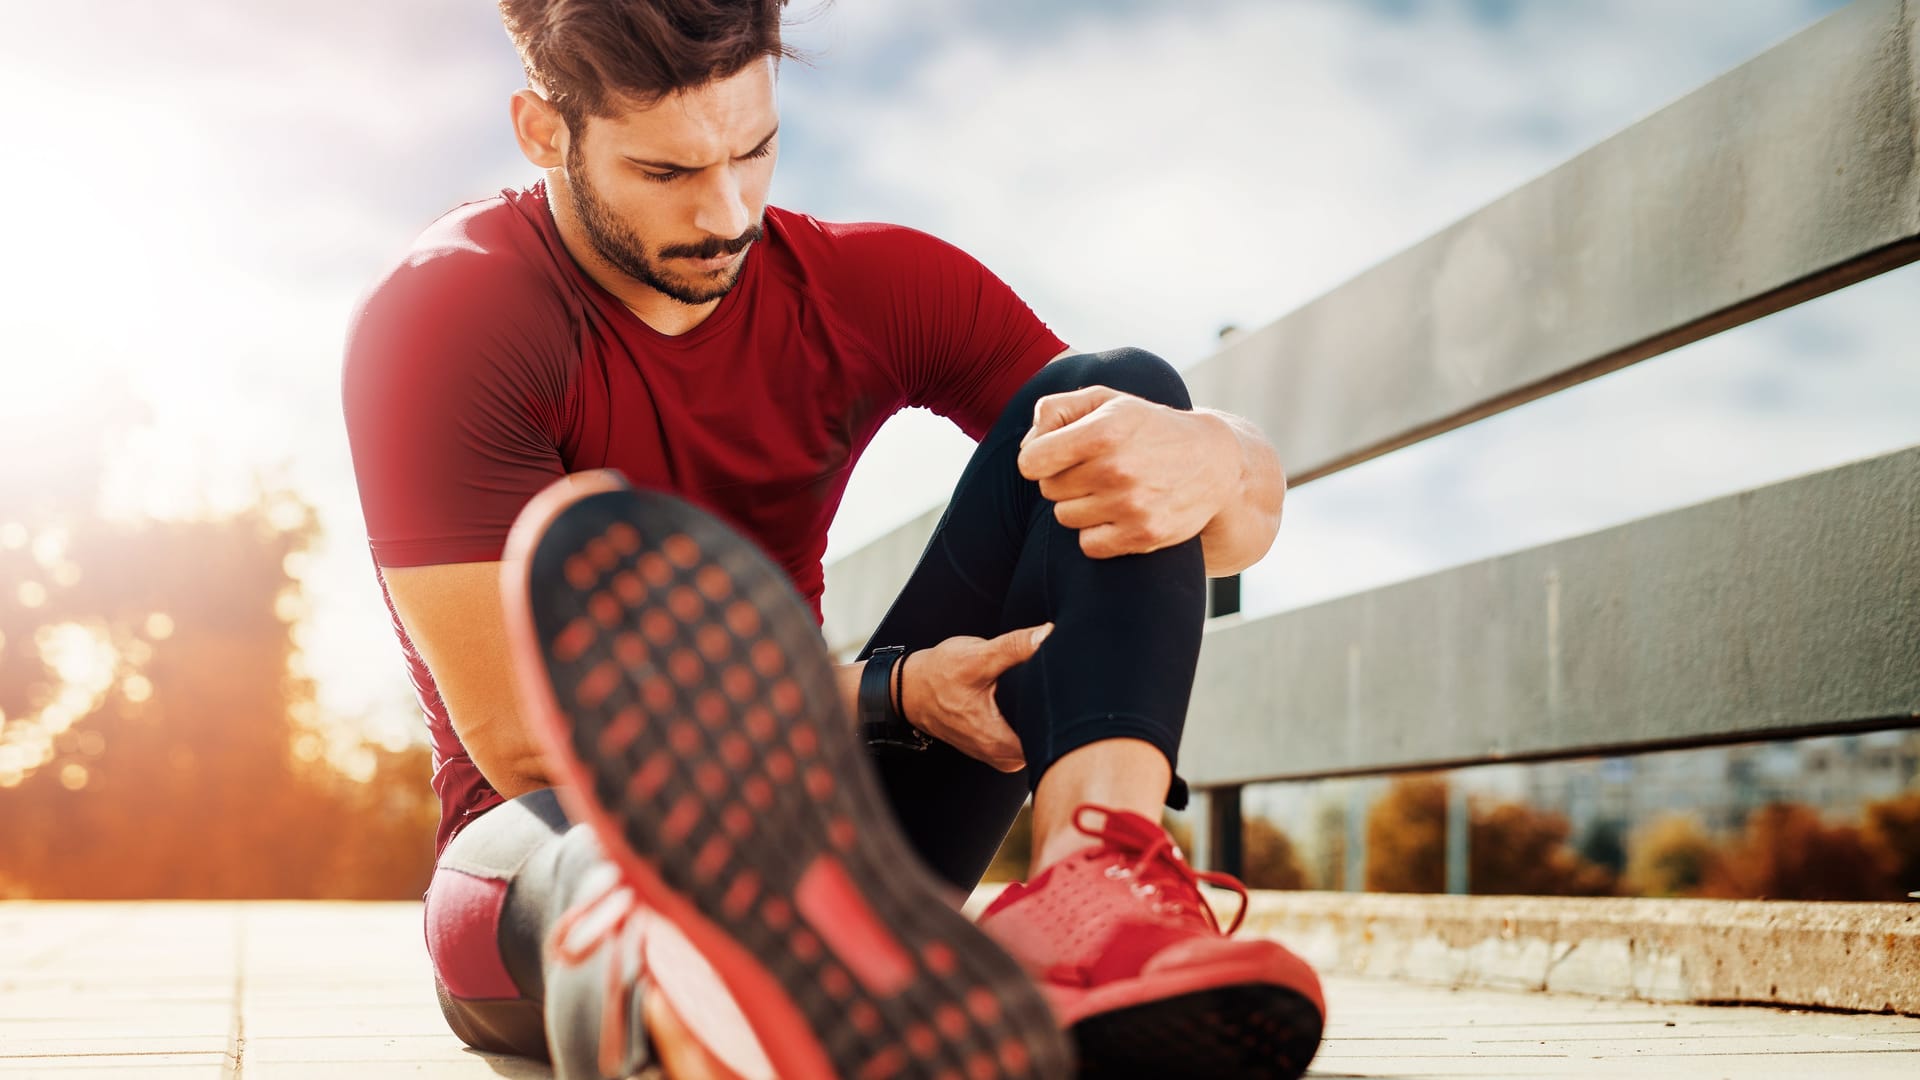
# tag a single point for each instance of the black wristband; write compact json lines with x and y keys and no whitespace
{"x":881,"y":723}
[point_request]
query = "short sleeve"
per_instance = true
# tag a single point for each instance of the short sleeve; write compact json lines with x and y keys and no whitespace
{"x":961,"y":342}
{"x":454,"y":389}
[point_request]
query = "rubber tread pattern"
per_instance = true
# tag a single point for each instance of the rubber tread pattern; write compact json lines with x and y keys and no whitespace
{"x":722,"y":757}
{"x":1250,"y":1030}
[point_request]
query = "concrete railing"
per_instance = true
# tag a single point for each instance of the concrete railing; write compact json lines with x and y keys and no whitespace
{"x":1791,"y":610}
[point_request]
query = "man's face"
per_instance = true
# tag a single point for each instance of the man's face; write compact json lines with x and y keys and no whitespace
{"x":672,"y":195}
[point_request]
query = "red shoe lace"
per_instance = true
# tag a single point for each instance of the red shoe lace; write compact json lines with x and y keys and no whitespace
{"x":1159,"y":870}
{"x":626,"y":933}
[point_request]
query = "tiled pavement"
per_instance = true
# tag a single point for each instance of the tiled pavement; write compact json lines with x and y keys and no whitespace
{"x":298,"y":990}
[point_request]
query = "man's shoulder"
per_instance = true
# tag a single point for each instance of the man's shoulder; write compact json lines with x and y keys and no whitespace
{"x":486,"y":258}
{"x":852,"y":244}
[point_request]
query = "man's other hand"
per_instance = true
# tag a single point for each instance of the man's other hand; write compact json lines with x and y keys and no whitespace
{"x":947,"y":692}
{"x":1131,"y":475}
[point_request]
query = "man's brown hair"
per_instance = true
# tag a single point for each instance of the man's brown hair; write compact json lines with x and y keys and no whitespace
{"x":594,"y":57}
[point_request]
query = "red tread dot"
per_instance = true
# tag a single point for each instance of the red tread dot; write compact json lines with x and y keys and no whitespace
{"x":739,"y":683}
{"x":600,"y":553}
{"x":739,"y":897}
{"x":837,"y":983}
{"x":842,"y":833}
{"x":786,"y":696}
{"x":804,"y":741}
{"x":681,"y":819}
{"x":629,"y":649}
{"x":658,"y":626}
{"x":939,"y":958}
{"x":657,"y":693}
{"x":605,"y":609}
{"x":655,"y":569}
{"x":865,"y":1018}
{"x":735,"y":751}
{"x":743,"y":619}
{"x":805,"y":945}
{"x":713,"y":857}
{"x":768,"y":660}
{"x":922,"y":1041}
{"x":685,"y":667}
{"x":1014,"y":1056}
{"x":682,"y":549}
{"x":780,"y":766}
{"x":819,"y":784}
{"x":884,"y":1065}
{"x":597,"y":685}
{"x":758,"y":792}
{"x":760,"y":722}
{"x":737,"y":821}
{"x":714,"y":582}
{"x":685,"y":603}
{"x":647,"y":782}
{"x":711,"y":778}
{"x":983,"y":1005}
{"x":951,"y":1021}
{"x":580,"y":572}
{"x":574,"y":641}
{"x":714,"y":643}
{"x":981,"y":1067}
{"x":628,"y":586}
{"x":776,"y":913}
{"x":621,"y":731}
{"x":711,"y":708}
{"x":624,"y":537}
{"x":684,"y":737}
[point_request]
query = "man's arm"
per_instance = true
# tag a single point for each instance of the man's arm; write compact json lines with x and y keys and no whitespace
{"x":454,"y":616}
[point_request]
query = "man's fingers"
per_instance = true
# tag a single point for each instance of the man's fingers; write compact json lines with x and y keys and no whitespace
{"x":1015,"y":646}
{"x":1056,"y":411}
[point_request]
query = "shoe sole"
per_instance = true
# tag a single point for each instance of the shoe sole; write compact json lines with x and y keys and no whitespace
{"x":687,"y":705}
{"x":1246,"y":1030}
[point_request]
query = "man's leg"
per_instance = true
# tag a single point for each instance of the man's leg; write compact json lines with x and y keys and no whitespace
{"x":1113,"y":917}
{"x":1099,"y":709}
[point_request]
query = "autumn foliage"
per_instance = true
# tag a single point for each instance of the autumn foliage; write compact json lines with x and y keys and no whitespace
{"x":1512,"y":849}
{"x":157,"y":741}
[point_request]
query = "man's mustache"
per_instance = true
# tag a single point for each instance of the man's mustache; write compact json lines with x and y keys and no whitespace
{"x":714,"y":248}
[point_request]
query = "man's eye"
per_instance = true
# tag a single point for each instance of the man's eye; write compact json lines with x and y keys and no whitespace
{"x":765,"y":149}
{"x":662,"y":177}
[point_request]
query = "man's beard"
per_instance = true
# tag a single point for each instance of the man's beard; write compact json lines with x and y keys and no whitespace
{"x":616,"y":243}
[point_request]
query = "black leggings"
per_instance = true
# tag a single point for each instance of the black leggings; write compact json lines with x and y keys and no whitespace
{"x":1119,"y":664}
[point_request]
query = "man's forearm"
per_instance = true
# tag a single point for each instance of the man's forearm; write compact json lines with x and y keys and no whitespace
{"x":1243,"y":531}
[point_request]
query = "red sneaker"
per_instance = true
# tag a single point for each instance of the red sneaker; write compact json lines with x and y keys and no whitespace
{"x":1137,"y":967}
{"x":687,"y":707}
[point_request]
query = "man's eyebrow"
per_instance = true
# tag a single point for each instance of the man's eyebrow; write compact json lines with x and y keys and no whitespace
{"x":668,"y":165}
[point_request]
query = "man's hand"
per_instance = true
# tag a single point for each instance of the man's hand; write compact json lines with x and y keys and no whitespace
{"x":947,"y":692}
{"x":1131,"y":475}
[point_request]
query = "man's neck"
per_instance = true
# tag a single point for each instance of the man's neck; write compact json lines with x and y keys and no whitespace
{"x":651,"y":306}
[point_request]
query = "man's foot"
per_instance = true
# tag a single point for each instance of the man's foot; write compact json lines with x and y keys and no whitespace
{"x":1139,"y":970}
{"x":688,"y":711}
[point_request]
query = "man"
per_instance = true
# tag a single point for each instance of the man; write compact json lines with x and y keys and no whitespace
{"x":643,"y":309}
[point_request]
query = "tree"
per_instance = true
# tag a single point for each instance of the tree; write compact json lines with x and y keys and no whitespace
{"x":147,"y":717}
{"x":1893,"y":828}
{"x":1788,"y":853}
{"x":1668,"y":856}
{"x":1512,"y":849}
{"x":1272,"y":862}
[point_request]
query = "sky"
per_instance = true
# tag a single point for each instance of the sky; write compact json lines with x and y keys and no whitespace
{"x":201,"y":193}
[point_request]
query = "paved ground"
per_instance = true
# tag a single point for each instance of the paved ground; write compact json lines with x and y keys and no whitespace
{"x":280,"y":991}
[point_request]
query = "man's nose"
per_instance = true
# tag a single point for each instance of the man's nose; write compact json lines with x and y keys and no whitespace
{"x":721,"y":211}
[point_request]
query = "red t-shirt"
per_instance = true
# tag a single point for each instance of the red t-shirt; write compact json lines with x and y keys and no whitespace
{"x":487,"y":363}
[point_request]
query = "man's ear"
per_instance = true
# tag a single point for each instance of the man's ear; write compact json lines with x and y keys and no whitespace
{"x":538,"y":128}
